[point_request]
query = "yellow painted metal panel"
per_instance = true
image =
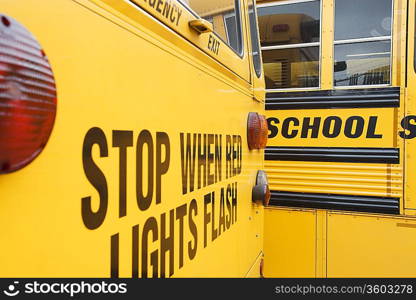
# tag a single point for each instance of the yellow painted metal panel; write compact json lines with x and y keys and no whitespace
{"x":289,"y":243}
{"x":255,"y":269}
{"x":371,"y":246}
{"x":118,"y":75}
{"x":340,"y":178}
{"x":205,"y":42}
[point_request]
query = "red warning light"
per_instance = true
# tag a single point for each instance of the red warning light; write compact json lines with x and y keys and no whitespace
{"x":27,"y":96}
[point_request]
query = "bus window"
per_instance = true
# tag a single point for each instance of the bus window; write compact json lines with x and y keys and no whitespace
{"x":255,"y":38}
{"x":290,"y":40}
{"x":362,"y":49}
{"x":224,"y":16}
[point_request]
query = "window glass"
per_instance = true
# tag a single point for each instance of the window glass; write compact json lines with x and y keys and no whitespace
{"x":362,"y":64}
{"x":362,"y":18}
{"x":222,"y":14}
{"x":290,"y":23}
{"x":255,"y":38}
{"x":290,"y":40}
{"x":291,"y":68}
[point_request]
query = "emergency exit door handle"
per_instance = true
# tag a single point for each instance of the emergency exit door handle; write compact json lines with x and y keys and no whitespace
{"x":201,"y":26}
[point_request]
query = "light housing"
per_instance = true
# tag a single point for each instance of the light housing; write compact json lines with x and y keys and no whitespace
{"x":27,"y":96}
{"x":261,"y":192}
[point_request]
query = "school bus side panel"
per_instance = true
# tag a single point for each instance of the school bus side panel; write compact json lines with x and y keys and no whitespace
{"x":125,"y":80}
{"x":371,"y":246}
{"x":290,"y":243}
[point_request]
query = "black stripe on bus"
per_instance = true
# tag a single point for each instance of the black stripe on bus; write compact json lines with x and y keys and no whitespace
{"x":385,"y":205}
{"x":354,"y":155}
{"x":350,"y":98}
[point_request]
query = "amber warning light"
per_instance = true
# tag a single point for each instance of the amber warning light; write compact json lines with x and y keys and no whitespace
{"x":27,"y":96}
{"x":257,"y":131}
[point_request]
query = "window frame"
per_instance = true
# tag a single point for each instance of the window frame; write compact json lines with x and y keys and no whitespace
{"x":240,"y":36}
{"x":365,"y":40}
{"x":259,"y":73}
{"x":299,"y":45}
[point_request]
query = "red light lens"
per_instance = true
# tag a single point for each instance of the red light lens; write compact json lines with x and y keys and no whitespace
{"x":27,"y":97}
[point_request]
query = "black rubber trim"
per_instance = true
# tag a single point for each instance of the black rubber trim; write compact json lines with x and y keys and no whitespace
{"x":354,"y":155}
{"x":385,"y":205}
{"x":360,"y":98}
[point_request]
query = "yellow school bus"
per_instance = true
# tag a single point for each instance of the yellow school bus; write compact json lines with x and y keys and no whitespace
{"x":132,"y":138}
{"x":340,"y":103}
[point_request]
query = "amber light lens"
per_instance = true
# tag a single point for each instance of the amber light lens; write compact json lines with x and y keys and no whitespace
{"x":27,"y":96}
{"x":264,"y":132}
{"x":257,"y":131}
{"x":267,"y":196}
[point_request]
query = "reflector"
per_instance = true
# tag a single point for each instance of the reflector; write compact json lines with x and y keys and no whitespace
{"x":27,"y":96}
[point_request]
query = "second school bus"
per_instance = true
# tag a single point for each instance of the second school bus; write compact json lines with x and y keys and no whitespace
{"x":340,"y":104}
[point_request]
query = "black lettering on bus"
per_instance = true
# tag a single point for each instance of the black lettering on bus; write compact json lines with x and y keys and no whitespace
{"x":332,"y":127}
{"x":228,"y":152}
{"x":179,"y":16}
{"x":274,"y":131}
{"x":214,"y":231}
{"x":94,"y":219}
{"x":144,"y":201}
{"x":162,"y":165}
{"x":193,"y":212}
{"x":218,"y":158}
{"x":135,"y":251}
{"x":210,"y":159}
{"x":213,"y":44}
{"x":114,"y":257}
{"x":122,"y":140}
{"x":167,"y":244}
{"x":221,"y":225}
{"x":228,"y":204}
{"x":188,"y":155}
{"x":234,"y":156}
{"x":314,"y":127}
{"x":409,"y":125}
{"x":180,"y":215}
{"x":202,"y":160}
{"x":159,"y":3}
{"x":234,"y":202}
{"x":372,"y":127}
{"x":207,"y":217}
{"x":166,"y":9}
{"x":240,"y":154}
{"x":149,"y":226}
{"x":349,"y":125}
{"x":285,"y":128}
{"x":172,"y":15}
